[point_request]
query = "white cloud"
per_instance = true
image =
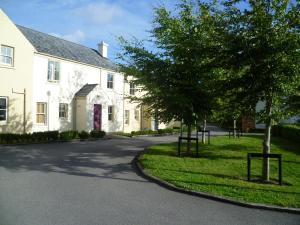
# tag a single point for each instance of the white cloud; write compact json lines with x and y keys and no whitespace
{"x":77,"y":36}
{"x":99,"y":13}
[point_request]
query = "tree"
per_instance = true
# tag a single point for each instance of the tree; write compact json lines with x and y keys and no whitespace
{"x":262,"y":48}
{"x":177,"y":77}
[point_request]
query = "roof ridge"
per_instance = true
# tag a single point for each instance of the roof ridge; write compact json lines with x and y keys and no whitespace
{"x":60,"y":39}
{"x":59,"y":47}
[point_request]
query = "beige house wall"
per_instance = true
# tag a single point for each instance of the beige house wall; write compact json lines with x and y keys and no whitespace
{"x":81,"y":115}
{"x":134,"y":124}
{"x":18,"y":77}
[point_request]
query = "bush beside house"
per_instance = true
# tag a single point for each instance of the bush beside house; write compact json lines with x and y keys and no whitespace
{"x":36,"y":137}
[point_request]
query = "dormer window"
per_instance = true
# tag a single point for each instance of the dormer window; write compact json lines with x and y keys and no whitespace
{"x":53,"y":70}
{"x":7,"y":55}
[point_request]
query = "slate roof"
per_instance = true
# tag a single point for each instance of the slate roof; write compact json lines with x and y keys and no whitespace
{"x":85,"y":90}
{"x":45,"y":43}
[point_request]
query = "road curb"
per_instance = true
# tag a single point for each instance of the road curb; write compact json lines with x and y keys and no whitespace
{"x":172,"y":187}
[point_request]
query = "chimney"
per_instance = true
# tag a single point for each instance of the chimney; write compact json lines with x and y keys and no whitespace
{"x":102,"y":48}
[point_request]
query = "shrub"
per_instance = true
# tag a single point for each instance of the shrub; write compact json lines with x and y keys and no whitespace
{"x":151,"y":132}
{"x":256,"y":130}
{"x":291,"y":132}
{"x":39,"y":136}
{"x":165,"y":131}
{"x":52,"y":135}
{"x":83,"y":135}
{"x":288,"y":131}
{"x":97,"y":134}
{"x":123,"y":134}
{"x":68,"y":135}
{"x":9,"y":138}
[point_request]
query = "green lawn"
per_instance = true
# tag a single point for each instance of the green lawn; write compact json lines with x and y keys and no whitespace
{"x":222,"y":169}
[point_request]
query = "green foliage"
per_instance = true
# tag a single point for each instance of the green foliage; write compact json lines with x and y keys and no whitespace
{"x":152,"y":132}
{"x":143,"y":132}
{"x":261,"y":45}
{"x":97,"y":134}
{"x":288,"y":131}
{"x":123,"y":134}
{"x":177,"y":77}
{"x":9,"y":138}
{"x":68,"y":135}
{"x":222,"y":170}
{"x":256,"y":130}
{"x":165,"y":131}
{"x":83,"y":135}
{"x":36,"y":137}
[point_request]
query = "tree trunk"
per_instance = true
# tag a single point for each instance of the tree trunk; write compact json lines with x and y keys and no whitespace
{"x":189,"y":134}
{"x":204,"y":129}
{"x":267,"y":141}
{"x":234,"y":128}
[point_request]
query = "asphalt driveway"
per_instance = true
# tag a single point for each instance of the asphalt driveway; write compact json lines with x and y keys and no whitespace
{"x":92,"y":183}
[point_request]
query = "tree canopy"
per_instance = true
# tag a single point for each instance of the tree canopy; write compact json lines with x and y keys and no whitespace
{"x":177,"y":76}
{"x":236,"y":51}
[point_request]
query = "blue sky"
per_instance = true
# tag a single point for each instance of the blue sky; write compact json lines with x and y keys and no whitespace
{"x":86,"y":21}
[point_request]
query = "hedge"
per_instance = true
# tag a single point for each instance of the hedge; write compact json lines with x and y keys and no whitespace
{"x":68,"y":135}
{"x":151,"y":132}
{"x":36,"y":137}
{"x":97,"y":134}
{"x":288,"y":131}
{"x":84,"y":135}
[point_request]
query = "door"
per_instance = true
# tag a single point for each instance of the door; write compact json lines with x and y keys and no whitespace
{"x":97,"y":116}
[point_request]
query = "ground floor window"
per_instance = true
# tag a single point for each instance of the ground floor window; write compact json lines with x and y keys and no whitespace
{"x":41,"y":112}
{"x":137,"y":114}
{"x":110,"y":112}
{"x":127,"y":117}
{"x":3,"y":109}
{"x":63,"y":110}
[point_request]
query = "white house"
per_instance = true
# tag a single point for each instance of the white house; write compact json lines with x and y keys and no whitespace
{"x":48,"y":83}
{"x":68,"y":86}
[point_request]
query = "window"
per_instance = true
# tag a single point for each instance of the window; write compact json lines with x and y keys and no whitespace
{"x":53,"y":70}
{"x":137,"y":114}
{"x":132,"y":88}
{"x":110,"y":113}
{"x":41,"y":112}
{"x":63,"y":110}
{"x":127,"y":117}
{"x":7,"y":55}
{"x":3,"y":109}
{"x":110,"y":80}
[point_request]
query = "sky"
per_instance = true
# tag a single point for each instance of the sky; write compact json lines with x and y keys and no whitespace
{"x":87,"y":22}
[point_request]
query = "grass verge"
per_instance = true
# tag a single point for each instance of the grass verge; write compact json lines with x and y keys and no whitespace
{"x":222,"y":170}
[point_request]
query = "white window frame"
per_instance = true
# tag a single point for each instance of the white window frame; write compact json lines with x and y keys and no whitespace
{"x":127,"y":117}
{"x":110,"y":113}
{"x":110,"y":82}
{"x":53,"y":73}
{"x":5,"y":55}
{"x":132,"y":88}
{"x":41,"y":113}
{"x":63,"y":111}
{"x":6,"y":109}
